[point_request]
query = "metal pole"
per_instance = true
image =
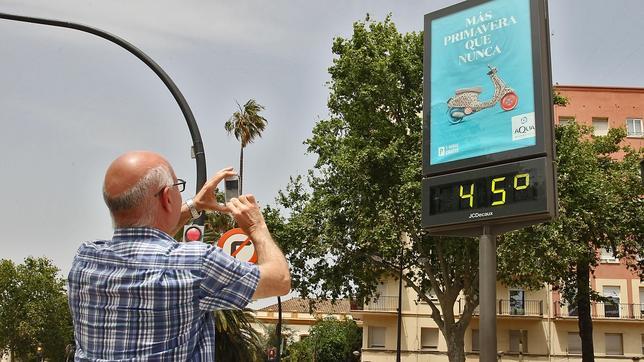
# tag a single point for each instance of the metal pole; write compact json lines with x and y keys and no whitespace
{"x":278,"y":329}
{"x":398,"y":337}
{"x":487,"y":295}
{"x":197,"y":144}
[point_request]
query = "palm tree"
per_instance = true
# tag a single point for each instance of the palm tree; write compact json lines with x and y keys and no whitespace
{"x":246,"y":124}
{"x":236,"y":338}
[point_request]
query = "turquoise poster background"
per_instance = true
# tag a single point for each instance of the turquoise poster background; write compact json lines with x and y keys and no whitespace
{"x":473,"y":112}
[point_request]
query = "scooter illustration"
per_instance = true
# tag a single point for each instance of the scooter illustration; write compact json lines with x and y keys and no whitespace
{"x":466,"y":100}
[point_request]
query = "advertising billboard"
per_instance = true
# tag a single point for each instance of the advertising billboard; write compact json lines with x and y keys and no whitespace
{"x":484,"y":101}
{"x":487,"y":118}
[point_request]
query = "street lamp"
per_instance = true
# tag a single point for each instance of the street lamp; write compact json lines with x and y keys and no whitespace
{"x":197,"y":144}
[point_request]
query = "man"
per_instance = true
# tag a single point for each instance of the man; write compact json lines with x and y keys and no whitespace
{"x":143,"y":296}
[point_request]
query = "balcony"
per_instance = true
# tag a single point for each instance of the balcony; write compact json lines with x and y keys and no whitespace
{"x":504,"y":307}
{"x":382,"y":304}
{"x":604,"y":311}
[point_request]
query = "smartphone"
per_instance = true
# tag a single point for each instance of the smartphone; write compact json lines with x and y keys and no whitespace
{"x":231,"y":187}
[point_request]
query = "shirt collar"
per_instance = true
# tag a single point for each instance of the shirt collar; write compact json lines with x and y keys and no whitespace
{"x":140,"y":233}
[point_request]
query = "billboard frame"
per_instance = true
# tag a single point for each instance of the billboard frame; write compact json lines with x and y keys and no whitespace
{"x":542,"y":85}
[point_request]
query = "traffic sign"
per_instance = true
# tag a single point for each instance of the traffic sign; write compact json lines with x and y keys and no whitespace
{"x":238,"y":245}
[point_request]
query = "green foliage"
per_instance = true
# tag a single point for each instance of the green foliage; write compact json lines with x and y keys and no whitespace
{"x":33,"y":310}
{"x":270,"y":336}
{"x":365,"y":189}
{"x":347,"y":217}
{"x":600,"y":206}
{"x":236,"y":339}
{"x":246,"y":123}
{"x":330,"y":340}
{"x":558,"y":99}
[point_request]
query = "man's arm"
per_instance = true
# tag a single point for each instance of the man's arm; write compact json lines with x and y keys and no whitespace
{"x":274,"y":274}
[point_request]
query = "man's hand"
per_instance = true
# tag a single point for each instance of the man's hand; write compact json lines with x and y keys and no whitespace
{"x":274,"y":275}
{"x":247,"y":214}
{"x":206,"y":198}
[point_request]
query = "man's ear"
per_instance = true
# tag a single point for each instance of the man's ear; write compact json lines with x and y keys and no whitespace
{"x":166,"y":199}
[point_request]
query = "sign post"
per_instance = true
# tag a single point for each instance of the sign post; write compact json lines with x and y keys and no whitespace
{"x":487,"y":130}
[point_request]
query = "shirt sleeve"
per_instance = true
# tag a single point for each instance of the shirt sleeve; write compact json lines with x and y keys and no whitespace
{"x":227,"y":283}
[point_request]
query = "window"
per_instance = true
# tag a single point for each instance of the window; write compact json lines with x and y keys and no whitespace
{"x":611,"y":307}
{"x":642,"y":343}
{"x":377,"y":337}
{"x":600,"y":126}
{"x":641,"y":303}
{"x":518,"y":341}
{"x":475,"y":340}
{"x":564,"y":121}
{"x":614,"y":344}
{"x":634,"y":127}
{"x":571,"y":305}
{"x":430,"y":294}
{"x":517,"y":302}
{"x":574,"y":342}
{"x":607,"y":255}
{"x":428,"y":338}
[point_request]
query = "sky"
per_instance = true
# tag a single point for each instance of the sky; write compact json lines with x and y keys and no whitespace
{"x":71,"y":102}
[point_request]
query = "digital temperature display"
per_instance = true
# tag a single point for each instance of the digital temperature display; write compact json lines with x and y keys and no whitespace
{"x":484,"y":192}
{"x":489,"y":194}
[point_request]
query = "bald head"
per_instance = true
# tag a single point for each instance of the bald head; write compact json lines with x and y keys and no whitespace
{"x":130,"y":184}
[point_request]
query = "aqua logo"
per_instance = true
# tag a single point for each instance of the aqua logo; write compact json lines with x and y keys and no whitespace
{"x":524,"y":129}
{"x":523,"y":126}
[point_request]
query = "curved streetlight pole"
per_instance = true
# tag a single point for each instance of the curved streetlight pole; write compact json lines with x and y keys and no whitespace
{"x":197,"y":144}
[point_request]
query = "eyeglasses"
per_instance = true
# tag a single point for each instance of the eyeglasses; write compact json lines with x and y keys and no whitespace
{"x":181,"y":185}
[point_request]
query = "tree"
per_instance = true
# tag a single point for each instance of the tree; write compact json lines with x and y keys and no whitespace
{"x":330,"y":340}
{"x":246,"y":124}
{"x":271,"y":340}
{"x":600,"y":206}
{"x":236,"y":338}
{"x":347,"y":218}
{"x":33,"y":310}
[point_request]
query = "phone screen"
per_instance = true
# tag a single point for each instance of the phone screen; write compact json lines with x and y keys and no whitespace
{"x":231,"y":188}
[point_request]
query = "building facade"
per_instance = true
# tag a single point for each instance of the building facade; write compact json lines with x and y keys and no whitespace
{"x":604,"y":108}
{"x":532,"y":325}
{"x":299,"y":317}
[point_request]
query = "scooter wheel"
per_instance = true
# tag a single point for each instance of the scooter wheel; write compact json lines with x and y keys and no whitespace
{"x":509,"y":101}
{"x":456,"y":115}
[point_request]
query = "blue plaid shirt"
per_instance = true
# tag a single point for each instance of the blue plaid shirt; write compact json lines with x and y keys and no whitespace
{"x":142,"y":296}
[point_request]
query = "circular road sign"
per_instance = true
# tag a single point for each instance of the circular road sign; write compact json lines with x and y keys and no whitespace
{"x":238,"y":245}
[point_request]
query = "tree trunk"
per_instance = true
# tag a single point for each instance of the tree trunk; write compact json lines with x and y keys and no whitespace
{"x":583,"y":309}
{"x":241,"y":168}
{"x":455,"y":343}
